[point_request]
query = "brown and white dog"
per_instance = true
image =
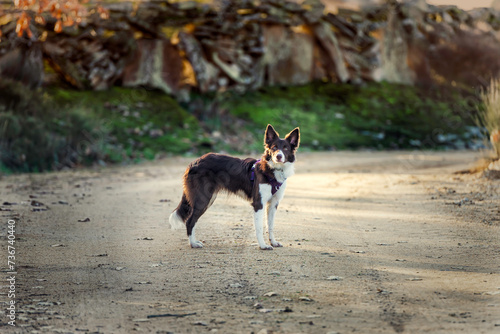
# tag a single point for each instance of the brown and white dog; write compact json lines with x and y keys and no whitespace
{"x":262,"y":182}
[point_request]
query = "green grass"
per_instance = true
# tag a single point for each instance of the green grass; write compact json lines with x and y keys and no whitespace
{"x":56,"y":128}
{"x":340,"y":116}
{"x":143,"y":122}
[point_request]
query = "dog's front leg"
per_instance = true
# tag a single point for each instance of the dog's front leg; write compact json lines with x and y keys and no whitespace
{"x":271,"y":211}
{"x":259,"y":229}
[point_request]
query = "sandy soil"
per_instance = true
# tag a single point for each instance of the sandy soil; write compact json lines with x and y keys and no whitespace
{"x":374,"y":243}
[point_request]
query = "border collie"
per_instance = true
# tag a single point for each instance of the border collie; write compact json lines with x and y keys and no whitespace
{"x":262,"y":182}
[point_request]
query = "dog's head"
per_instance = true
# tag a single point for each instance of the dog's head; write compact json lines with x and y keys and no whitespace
{"x":280,"y":151}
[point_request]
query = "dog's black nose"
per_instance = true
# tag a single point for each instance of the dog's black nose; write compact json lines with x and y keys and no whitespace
{"x":279,"y":157}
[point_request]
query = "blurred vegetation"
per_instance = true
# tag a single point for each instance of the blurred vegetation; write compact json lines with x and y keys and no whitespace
{"x":488,"y":115}
{"x":35,"y":135}
{"x":376,"y":115}
{"x":58,"y":128}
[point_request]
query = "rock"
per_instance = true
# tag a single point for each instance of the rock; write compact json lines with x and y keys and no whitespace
{"x":265,"y":310}
{"x":342,"y":25}
{"x":36,"y":203}
{"x":394,"y":52}
{"x":187,"y":5}
{"x":270,"y":294}
{"x":258,"y":306}
{"x":265,"y":331}
{"x":243,"y":45}
{"x":313,"y":10}
{"x":288,"y":55}
{"x":200,"y":323}
{"x":205,"y":72}
{"x":329,"y":43}
{"x":156,"y":64}
{"x":274,"y":273}
{"x":233,"y":71}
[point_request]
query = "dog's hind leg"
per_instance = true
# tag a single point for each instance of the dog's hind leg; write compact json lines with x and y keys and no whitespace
{"x":190,"y":225}
{"x":178,"y":218}
{"x":201,"y":204}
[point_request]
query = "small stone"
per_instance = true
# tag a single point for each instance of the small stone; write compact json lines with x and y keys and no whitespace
{"x":200,"y":323}
{"x":265,"y":310}
{"x":270,"y":294}
{"x":334,"y":278}
{"x":264,"y":331}
{"x":250,"y":297}
{"x":258,"y":306}
{"x":236,"y":285}
{"x":305,"y":299}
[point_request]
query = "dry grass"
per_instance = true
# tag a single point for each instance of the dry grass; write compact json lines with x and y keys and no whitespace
{"x":489,"y":116}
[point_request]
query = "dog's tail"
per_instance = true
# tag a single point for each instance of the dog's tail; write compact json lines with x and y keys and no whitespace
{"x":178,"y":218}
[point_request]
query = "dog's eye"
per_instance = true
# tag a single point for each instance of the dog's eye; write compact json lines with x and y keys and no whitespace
{"x":285,"y":148}
{"x":274,"y":148}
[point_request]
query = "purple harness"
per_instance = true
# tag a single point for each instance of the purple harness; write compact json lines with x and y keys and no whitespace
{"x":275,"y":185}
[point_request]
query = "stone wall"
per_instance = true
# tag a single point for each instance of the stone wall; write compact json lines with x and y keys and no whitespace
{"x":244,"y":45}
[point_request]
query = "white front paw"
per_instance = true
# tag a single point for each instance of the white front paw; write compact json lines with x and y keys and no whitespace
{"x":196,"y":244}
{"x":276,"y":244}
{"x":266,"y":247}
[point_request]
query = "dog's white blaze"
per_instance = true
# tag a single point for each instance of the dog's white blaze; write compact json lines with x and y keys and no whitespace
{"x":275,"y":155}
{"x":176,"y":223}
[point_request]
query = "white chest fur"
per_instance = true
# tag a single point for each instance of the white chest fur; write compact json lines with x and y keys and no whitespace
{"x":281,"y":174}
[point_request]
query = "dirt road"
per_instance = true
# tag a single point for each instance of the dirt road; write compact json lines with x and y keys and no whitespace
{"x":374,"y":243}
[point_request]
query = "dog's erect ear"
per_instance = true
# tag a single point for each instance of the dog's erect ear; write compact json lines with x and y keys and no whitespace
{"x":294,"y":138}
{"x":270,"y":135}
